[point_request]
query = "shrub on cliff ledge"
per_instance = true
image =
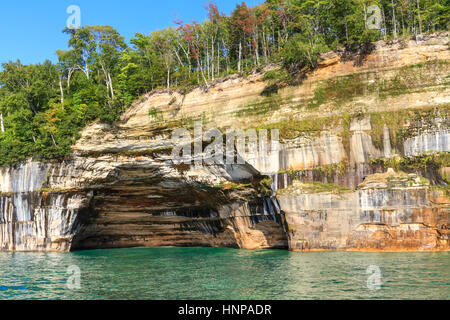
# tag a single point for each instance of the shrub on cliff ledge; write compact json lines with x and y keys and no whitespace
{"x":303,"y":50}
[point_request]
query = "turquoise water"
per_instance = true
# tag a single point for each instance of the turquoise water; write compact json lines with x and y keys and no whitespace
{"x":207,"y":273}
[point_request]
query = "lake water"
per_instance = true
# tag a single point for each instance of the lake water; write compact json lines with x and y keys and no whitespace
{"x":208,"y":273}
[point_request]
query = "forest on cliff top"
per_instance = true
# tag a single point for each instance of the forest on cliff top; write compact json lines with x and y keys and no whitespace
{"x":44,"y":106}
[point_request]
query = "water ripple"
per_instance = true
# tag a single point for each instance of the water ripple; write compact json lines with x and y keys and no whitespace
{"x":207,"y":273}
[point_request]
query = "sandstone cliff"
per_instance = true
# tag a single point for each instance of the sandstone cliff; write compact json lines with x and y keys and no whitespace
{"x":388,"y":212}
{"x":358,"y":114}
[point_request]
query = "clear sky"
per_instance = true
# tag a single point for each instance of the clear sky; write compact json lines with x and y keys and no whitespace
{"x":30,"y":30}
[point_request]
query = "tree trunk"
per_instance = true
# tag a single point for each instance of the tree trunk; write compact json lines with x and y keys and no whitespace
{"x":207,"y":59}
{"x":365,"y":19}
{"x":418,"y":16}
{"x":2,"y":127}
{"x":186,"y":53}
{"x":218,"y":60}
{"x":226,"y":56}
{"x":198,"y":75}
{"x":256,"y":47}
{"x":111,"y":85}
{"x":178,"y":57}
{"x":84,"y":70}
{"x":200,"y":67}
{"x":69,"y":76}
{"x":402,"y":21}
{"x":61,"y":91}
{"x":212,"y":58}
{"x":394,"y":22}
{"x":384,"y":22}
{"x":107,"y":80}
{"x":265,"y":47}
{"x":53,"y":139}
{"x":240,"y":57}
{"x":168,"y":78}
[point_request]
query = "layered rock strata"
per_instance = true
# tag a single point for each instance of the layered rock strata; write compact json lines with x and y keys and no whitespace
{"x":354,"y":116}
{"x":388,"y":213}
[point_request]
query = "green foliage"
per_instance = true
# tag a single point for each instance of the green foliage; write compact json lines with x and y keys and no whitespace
{"x":232,"y":186}
{"x":303,"y":50}
{"x":276,"y":75}
{"x":156,"y":114}
{"x":397,"y":124}
{"x":291,"y":129}
{"x":265,"y":105}
{"x":429,"y":162}
{"x":341,"y":90}
{"x":314,"y":187}
{"x":333,"y":169}
{"x":44,"y":106}
{"x":264,"y":187}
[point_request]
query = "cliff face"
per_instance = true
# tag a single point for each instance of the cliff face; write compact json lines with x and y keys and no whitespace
{"x":112,"y":202}
{"x":392,"y":212}
{"x":358,"y":114}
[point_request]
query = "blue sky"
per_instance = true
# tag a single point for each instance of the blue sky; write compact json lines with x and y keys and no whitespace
{"x":31,"y":30}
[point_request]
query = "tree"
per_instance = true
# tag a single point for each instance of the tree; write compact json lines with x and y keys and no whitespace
{"x":163,"y":42}
{"x":43,"y":106}
{"x":303,"y":50}
{"x":108,"y":47}
{"x":82,"y":44}
{"x":243,"y":23}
